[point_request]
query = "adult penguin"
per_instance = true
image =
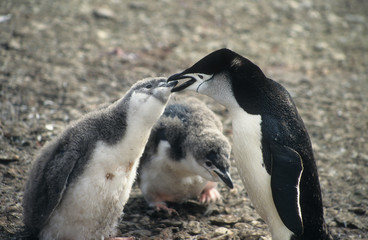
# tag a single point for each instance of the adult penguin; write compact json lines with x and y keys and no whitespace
{"x":272,"y":148}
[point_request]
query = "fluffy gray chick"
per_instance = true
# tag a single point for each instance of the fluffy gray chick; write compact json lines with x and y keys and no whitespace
{"x":185,"y":155}
{"x":80,"y":181}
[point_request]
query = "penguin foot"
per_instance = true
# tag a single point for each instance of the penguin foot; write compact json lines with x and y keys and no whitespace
{"x":209,"y":193}
{"x":161,"y":206}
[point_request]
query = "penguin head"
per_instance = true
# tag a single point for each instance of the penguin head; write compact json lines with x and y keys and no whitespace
{"x":218,"y":75}
{"x":210,"y":154}
{"x":197,"y":145}
{"x":147,"y":100}
{"x":157,"y":88}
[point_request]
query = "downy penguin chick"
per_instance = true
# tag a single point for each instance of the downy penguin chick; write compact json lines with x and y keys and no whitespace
{"x":272,"y":149}
{"x":80,"y":181}
{"x":185,"y":155}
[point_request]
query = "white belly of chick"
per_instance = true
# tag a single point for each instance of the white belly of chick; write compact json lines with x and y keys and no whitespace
{"x":168,"y":187}
{"x":247,"y":147}
{"x":162,"y":179}
{"x":92,"y":205}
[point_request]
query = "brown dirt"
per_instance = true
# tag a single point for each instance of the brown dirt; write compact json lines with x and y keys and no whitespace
{"x":61,"y":59}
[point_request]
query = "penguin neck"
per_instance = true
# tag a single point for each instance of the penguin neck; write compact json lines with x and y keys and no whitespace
{"x":138,"y":121}
{"x":248,"y":90}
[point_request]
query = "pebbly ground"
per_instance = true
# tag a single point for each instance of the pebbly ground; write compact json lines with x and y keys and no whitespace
{"x":61,"y":59}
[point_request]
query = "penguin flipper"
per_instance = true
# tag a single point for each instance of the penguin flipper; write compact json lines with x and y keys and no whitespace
{"x":49,"y":181}
{"x":286,"y":171}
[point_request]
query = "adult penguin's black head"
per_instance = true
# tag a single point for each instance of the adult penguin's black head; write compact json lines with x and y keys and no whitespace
{"x":223,"y":75}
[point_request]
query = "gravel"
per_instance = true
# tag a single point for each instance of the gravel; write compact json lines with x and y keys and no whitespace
{"x":61,"y":59}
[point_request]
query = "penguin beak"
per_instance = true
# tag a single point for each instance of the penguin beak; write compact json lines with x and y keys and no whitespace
{"x":177,"y":76}
{"x":192,"y":81}
{"x":225,"y":177}
{"x":184,"y":85}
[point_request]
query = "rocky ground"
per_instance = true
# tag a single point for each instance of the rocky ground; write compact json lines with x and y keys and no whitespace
{"x":61,"y":59}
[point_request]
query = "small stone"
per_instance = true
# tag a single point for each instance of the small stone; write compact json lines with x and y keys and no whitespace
{"x":7,"y":158}
{"x":14,"y":44}
{"x":140,"y":233}
{"x":12,"y":173}
{"x":182,"y":235}
{"x":49,"y":127}
{"x":333,"y":18}
{"x":166,"y":233}
{"x":194,"y":227}
{"x":340,"y":57}
{"x":102,"y":34}
{"x":4,"y":18}
{"x":224,"y":220}
{"x":355,"y":18}
{"x":138,"y":5}
{"x":320,"y":46}
{"x":296,"y":30}
{"x":241,"y":225}
{"x":168,"y":222}
{"x":294,"y":5}
{"x":358,"y":211}
{"x":223,"y":231}
{"x":248,"y":234}
{"x":104,"y":12}
{"x":15,"y":209}
{"x":348,"y":220}
{"x":145,"y":220}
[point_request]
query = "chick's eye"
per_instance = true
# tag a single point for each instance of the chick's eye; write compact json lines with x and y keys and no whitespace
{"x":212,"y":155}
{"x":208,"y":164}
{"x":148,"y":86}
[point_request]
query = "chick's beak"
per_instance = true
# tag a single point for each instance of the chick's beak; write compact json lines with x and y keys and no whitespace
{"x":225,"y":177}
{"x":171,"y":84}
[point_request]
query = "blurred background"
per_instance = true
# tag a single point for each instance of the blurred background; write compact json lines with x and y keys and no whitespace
{"x":61,"y":59}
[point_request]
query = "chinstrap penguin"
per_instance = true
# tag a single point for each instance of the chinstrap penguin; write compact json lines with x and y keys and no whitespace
{"x":80,"y":181}
{"x":272,"y":149}
{"x":185,"y":155}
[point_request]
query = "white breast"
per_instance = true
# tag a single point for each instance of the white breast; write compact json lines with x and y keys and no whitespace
{"x":247,"y":147}
{"x":96,"y":200}
{"x":163,"y":178}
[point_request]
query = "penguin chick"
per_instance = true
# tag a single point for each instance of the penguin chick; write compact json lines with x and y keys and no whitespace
{"x":185,"y":155}
{"x":80,"y":181}
{"x":272,"y":148}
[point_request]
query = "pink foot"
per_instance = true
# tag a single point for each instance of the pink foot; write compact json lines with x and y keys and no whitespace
{"x":209,"y":193}
{"x":162,"y":206}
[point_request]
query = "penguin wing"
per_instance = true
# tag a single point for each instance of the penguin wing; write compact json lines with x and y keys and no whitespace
{"x":286,"y":171}
{"x":50,"y":180}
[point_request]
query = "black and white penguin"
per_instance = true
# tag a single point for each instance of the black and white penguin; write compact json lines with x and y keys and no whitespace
{"x":185,"y":156}
{"x":272,"y":148}
{"x":80,"y":181}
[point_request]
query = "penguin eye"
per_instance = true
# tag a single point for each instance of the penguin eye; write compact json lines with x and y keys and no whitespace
{"x":148,"y":86}
{"x":200,"y":76}
{"x":208,"y":164}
